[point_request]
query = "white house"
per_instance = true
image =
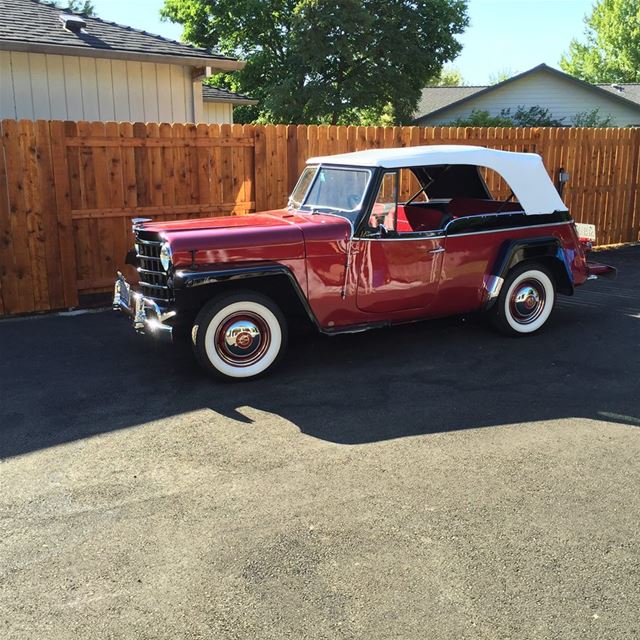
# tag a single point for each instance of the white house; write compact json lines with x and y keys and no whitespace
{"x":563,"y":95}
{"x":55,"y":65}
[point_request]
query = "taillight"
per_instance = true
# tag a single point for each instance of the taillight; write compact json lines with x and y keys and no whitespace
{"x":586,"y":244}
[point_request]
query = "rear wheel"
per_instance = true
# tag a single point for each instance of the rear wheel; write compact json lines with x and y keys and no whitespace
{"x":526,"y":300}
{"x":239,"y":336}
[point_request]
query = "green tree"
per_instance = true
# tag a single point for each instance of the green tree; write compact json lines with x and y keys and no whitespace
{"x":592,"y":119}
{"x":535,"y":116}
{"x":481,"y":118}
{"x":449,"y":77}
{"x":501,"y":75}
{"x":312,"y":61}
{"x":83,"y":7}
{"x":611,"y":50}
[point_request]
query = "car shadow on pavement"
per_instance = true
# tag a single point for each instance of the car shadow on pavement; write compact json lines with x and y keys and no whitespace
{"x":66,"y":378}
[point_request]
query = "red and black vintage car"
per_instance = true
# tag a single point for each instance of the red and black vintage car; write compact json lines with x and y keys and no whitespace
{"x":349,"y":254}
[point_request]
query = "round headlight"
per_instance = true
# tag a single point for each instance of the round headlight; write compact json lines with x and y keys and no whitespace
{"x":165,"y":256}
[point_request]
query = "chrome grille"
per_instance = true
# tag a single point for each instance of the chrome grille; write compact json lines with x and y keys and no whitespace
{"x":154,"y":281}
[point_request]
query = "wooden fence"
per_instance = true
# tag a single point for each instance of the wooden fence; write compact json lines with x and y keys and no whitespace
{"x":68,"y":190}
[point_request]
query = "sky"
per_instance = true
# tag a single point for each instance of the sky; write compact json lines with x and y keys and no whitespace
{"x":512,"y":35}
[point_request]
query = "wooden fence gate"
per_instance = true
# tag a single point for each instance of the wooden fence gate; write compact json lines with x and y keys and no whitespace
{"x":68,"y":190}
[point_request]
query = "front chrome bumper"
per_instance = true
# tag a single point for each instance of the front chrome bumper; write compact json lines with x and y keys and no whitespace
{"x":147,"y":317}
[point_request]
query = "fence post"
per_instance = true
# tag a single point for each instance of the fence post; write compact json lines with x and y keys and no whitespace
{"x":63,"y":205}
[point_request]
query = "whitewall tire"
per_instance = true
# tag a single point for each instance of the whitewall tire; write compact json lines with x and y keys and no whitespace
{"x":239,"y":336}
{"x":526,"y":300}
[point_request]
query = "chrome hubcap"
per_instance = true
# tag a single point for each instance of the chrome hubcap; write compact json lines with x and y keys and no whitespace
{"x":527,"y":301}
{"x":242,"y":339}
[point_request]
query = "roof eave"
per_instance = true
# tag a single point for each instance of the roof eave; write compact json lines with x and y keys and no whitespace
{"x":216,"y":64}
{"x":233,"y":101}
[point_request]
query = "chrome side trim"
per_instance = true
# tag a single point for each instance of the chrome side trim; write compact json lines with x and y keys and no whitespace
{"x":483,"y":215}
{"x":471,"y":233}
{"x":416,"y":237}
{"x":532,"y":226}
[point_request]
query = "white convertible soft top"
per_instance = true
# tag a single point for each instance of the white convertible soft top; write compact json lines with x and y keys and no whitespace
{"x":524,"y":172}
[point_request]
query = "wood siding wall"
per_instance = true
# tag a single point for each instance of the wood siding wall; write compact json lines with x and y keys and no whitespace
{"x":68,"y":190}
{"x":42,"y":86}
{"x":217,"y":112}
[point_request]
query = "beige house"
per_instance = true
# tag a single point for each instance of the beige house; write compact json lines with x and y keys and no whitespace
{"x":219,"y":103}
{"x":55,"y":65}
{"x":563,"y":95}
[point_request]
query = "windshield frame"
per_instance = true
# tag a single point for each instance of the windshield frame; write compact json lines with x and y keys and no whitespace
{"x":336,"y":210}
{"x":298,"y":205}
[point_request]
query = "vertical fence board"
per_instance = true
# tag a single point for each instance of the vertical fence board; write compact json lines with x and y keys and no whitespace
{"x":260,"y":166}
{"x":215,"y":182}
{"x":17,"y":215}
{"x":32,"y":167}
{"x":63,"y":199}
{"x":46,"y":187}
{"x":8,"y":282}
{"x":237,"y":166}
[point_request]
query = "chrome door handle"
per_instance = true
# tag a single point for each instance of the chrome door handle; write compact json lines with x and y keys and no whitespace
{"x":438,"y":250}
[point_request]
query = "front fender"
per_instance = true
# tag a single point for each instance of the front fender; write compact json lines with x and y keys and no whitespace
{"x":197,"y":280}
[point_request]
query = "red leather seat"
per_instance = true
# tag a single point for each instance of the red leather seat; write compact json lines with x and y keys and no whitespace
{"x":410,"y":218}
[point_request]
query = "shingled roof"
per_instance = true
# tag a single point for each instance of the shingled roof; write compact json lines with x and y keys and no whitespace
{"x":630,"y":91}
{"x":29,"y":25}
{"x":215,"y":94}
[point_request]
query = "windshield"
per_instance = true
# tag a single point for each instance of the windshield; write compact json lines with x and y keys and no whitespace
{"x":334,"y":190}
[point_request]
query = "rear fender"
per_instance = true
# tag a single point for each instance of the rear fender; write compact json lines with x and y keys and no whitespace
{"x":547,"y":251}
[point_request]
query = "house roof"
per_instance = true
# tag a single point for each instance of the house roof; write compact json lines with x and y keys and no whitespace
{"x":215,"y":94}
{"x":436,"y":100}
{"x":524,"y":172}
{"x":30,"y":25}
{"x":626,"y":90}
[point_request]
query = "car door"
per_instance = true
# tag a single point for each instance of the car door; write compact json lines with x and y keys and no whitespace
{"x":396,"y":270}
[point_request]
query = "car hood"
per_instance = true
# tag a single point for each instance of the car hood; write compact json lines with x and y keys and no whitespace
{"x":271,"y":235}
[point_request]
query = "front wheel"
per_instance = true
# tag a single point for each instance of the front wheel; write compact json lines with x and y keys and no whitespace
{"x":239,"y":336}
{"x":526,"y":300}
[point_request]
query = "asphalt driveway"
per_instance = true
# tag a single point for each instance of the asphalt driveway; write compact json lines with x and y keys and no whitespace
{"x":429,"y":481}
